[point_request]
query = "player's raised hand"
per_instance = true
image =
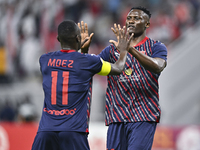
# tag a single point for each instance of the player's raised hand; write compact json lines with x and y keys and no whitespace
{"x":85,"y":38}
{"x":123,"y":39}
{"x":115,"y":30}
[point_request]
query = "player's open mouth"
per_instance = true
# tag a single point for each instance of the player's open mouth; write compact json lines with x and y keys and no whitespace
{"x":130,"y":27}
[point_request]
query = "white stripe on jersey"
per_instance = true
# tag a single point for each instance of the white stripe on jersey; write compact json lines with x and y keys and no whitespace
{"x":114,"y":105}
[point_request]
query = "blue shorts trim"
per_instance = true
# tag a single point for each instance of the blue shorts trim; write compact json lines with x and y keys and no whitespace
{"x":60,"y":141}
{"x":129,"y":136}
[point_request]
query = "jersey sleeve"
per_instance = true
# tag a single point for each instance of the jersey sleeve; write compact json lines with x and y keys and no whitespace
{"x":105,"y":69}
{"x":159,"y":50}
{"x":41,"y":61}
{"x":105,"y":53}
{"x":92,"y":63}
{"x":98,"y":65}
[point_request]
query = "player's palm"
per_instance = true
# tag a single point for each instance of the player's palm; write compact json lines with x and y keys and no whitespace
{"x":85,"y":38}
{"x":116,"y":32}
{"x":124,"y":40}
{"x":86,"y":43}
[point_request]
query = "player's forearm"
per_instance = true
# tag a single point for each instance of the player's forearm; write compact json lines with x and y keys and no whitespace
{"x":119,"y":65}
{"x":152,"y":64}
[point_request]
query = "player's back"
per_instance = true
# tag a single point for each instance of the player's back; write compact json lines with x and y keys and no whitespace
{"x":67,"y":78}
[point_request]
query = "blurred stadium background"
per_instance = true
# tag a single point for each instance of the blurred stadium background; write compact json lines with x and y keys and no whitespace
{"x":28,"y":29}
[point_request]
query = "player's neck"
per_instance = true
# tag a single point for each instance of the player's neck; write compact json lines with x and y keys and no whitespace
{"x":67,"y":47}
{"x":137,"y":40}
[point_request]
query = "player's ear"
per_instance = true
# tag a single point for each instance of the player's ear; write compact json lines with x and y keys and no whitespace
{"x":58,"y":38}
{"x":78,"y":38}
{"x":147,"y":25}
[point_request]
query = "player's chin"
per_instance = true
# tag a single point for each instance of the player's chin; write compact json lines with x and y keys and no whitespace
{"x":131,"y":32}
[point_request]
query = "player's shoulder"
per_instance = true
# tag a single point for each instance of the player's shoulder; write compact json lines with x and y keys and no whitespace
{"x":108,"y":49}
{"x":46,"y":55}
{"x":111,"y":47}
{"x":91,"y":56}
{"x":160,"y":44}
{"x":157,"y":43}
{"x":89,"y":60}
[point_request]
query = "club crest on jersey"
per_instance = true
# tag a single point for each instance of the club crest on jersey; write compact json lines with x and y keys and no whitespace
{"x":128,"y":71}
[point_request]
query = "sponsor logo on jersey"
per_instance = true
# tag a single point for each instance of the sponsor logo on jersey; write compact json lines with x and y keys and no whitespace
{"x":60,"y":112}
{"x":133,"y":77}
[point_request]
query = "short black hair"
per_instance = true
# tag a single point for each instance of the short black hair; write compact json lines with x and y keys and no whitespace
{"x":67,"y":30}
{"x":145,"y":10}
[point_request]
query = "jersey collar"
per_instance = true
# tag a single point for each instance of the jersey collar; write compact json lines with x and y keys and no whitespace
{"x":67,"y":51}
{"x":141,"y":42}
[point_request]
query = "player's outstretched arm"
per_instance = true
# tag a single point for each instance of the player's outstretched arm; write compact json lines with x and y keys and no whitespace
{"x":85,"y":38}
{"x":123,"y":47}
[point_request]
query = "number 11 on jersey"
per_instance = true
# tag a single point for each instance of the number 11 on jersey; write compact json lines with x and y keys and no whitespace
{"x":54,"y":75}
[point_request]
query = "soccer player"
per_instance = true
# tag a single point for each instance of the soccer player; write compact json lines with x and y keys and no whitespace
{"x":132,"y":99}
{"x":67,"y":84}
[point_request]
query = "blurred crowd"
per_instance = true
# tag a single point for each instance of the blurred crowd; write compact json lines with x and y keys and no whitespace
{"x":20,"y":109}
{"x":28,"y":28}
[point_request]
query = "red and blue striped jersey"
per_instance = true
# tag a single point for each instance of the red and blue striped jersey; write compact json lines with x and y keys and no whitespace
{"x":133,"y":95}
{"x":67,"y":84}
